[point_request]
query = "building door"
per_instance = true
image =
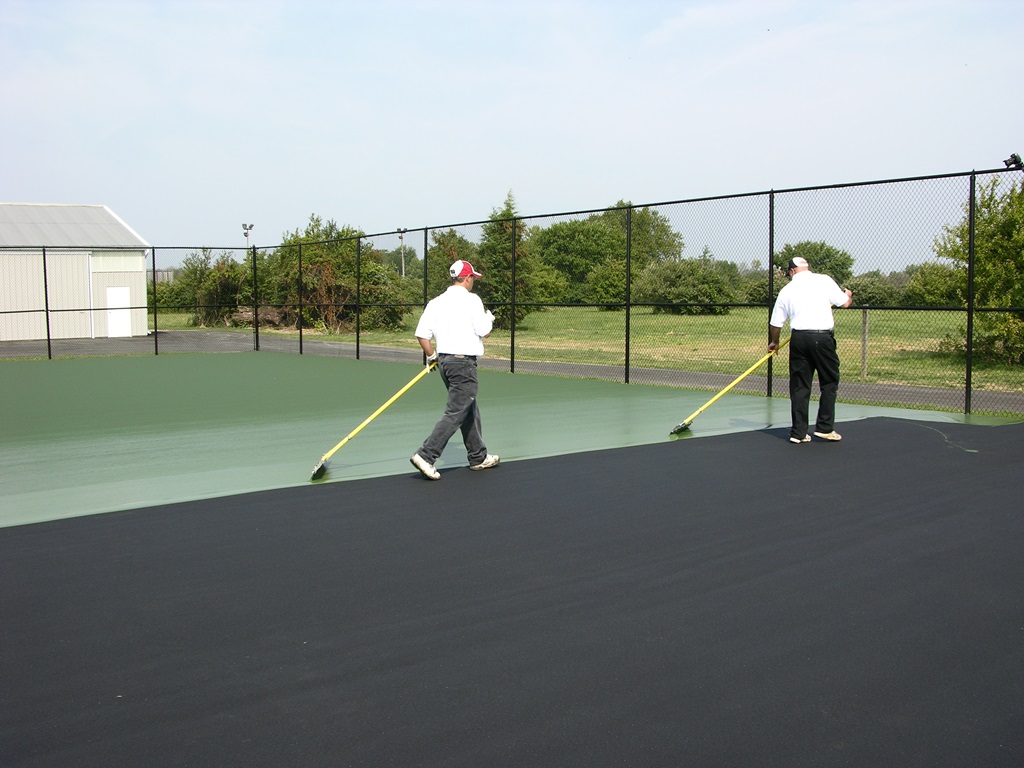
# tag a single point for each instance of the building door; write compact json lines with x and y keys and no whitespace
{"x":119,"y":316}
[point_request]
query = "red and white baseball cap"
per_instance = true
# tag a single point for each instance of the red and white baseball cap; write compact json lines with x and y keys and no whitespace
{"x":462,"y":269}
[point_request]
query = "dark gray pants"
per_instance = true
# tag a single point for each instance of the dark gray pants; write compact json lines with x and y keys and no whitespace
{"x":461,"y":412}
{"x":811,"y":353}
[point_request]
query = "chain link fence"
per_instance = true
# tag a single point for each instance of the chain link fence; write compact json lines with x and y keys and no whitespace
{"x":675,"y":293}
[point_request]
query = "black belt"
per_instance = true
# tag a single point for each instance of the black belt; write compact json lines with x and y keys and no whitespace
{"x":802,"y":330}
{"x":461,"y":357}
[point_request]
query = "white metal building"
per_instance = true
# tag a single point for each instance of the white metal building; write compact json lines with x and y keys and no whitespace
{"x":70,"y":271}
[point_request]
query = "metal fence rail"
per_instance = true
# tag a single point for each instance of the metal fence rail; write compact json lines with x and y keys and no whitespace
{"x":576,"y":292}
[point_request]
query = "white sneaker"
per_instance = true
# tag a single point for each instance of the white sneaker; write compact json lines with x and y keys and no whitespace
{"x":798,"y":440}
{"x":833,"y":436}
{"x":425,"y":467}
{"x":490,"y":460}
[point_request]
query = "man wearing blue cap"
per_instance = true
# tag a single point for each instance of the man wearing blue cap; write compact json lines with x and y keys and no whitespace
{"x":451,"y":332}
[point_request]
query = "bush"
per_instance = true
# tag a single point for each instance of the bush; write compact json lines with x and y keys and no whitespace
{"x":874,"y":290}
{"x":935,"y":285}
{"x":755,"y":291}
{"x":684,"y":287}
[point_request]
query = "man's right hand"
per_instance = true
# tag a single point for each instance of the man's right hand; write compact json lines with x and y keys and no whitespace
{"x":431,"y":359}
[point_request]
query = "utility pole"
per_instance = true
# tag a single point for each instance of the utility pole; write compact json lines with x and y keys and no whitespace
{"x":401,"y":239}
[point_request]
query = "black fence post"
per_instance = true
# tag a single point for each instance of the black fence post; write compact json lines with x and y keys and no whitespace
{"x":969,"y":349}
{"x":426,"y":271}
{"x":512,"y":320}
{"x":298,"y":320}
{"x":46,"y":308}
{"x":426,"y":234}
{"x":771,"y":282}
{"x":359,"y":298}
{"x":629,"y":281}
{"x":156,"y":304}
{"x":255,"y":301}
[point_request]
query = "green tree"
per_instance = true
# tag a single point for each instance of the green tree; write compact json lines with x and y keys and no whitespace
{"x":330,"y":285}
{"x":572,"y":249}
{"x":380,"y":294}
{"x":998,"y":245}
{"x":549,"y":286}
{"x":495,"y":250}
{"x":447,"y":247}
{"x":172,"y":294}
{"x":822,"y":257}
{"x":210,"y":287}
{"x":652,"y":238}
{"x":328,"y":274}
{"x":410,"y":286}
{"x":998,"y":268}
{"x":606,"y":284}
{"x":266,"y":294}
{"x":408,"y":255}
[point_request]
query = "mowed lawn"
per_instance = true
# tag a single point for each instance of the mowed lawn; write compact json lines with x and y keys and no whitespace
{"x":876,"y":346}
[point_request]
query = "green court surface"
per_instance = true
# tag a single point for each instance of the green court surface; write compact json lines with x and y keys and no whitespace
{"x":93,"y":435}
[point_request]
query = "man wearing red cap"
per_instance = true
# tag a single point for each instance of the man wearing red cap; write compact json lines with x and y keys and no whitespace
{"x":451,"y":332}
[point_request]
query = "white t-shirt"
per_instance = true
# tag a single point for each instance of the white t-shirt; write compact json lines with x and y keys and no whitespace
{"x":456,"y":321}
{"x":807,"y":301}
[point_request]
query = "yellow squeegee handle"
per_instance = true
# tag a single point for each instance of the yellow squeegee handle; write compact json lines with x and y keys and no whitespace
{"x":378,"y":412}
{"x":738,"y":379}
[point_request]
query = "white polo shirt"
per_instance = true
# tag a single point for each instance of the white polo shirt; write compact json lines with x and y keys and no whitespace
{"x":456,"y":321}
{"x":807,"y":301}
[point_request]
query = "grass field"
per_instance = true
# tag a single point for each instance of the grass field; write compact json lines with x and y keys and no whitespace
{"x":877,"y":346}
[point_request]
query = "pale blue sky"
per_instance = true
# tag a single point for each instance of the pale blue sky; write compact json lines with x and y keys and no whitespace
{"x":189,"y":118}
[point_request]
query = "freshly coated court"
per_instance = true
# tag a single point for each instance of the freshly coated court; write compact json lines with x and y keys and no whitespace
{"x":176,"y":592}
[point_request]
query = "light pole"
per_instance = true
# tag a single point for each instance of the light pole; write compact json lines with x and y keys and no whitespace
{"x":401,"y":239}
{"x":246,"y":228}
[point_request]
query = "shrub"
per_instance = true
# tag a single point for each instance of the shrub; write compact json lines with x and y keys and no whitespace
{"x":687,"y":286}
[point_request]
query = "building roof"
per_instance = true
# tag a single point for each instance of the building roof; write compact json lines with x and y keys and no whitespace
{"x":80,"y":226}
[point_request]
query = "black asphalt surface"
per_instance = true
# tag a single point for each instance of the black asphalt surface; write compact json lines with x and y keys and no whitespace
{"x":729,"y":601}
